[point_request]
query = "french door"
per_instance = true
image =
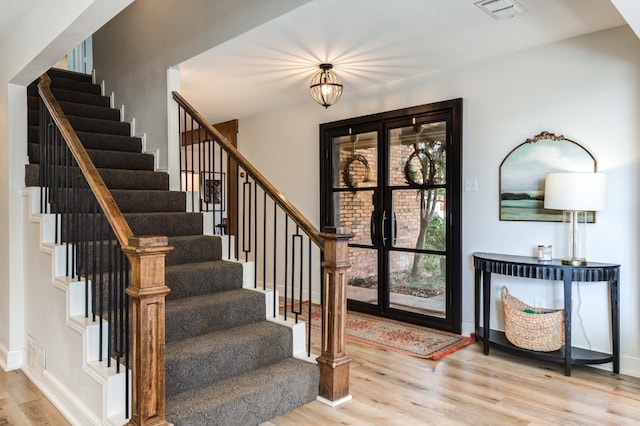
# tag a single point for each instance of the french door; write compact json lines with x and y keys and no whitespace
{"x":393,"y":179}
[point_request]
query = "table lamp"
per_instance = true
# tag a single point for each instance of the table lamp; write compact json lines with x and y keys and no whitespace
{"x":575,"y":194}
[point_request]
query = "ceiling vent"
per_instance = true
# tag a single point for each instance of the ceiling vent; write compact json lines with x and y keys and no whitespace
{"x":501,"y":9}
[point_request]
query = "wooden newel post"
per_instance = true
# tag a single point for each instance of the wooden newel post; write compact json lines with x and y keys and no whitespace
{"x":147,"y":290}
{"x":333,"y":361}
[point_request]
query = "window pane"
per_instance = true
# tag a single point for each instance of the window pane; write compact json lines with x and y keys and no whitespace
{"x":363,"y":275}
{"x":355,"y":161}
{"x":417,"y":283}
{"x":420,"y":219}
{"x":355,"y":210}
{"x":417,"y":155}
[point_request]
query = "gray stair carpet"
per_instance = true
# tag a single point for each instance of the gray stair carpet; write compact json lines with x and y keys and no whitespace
{"x":225,"y":364}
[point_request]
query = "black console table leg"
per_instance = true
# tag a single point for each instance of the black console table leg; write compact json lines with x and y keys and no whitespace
{"x":615,"y":324}
{"x":567,"y":323}
{"x":486,"y":309}
{"x":476,"y":314}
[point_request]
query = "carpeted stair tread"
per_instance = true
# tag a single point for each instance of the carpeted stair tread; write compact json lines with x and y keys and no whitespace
{"x":80,"y":97}
{"x":165,"y":223}
{"x":104,"y":159}
{"x":196,"y":279}
{"x":75,"y":85}
{"x":193,"y":316}
{"x":98,"y":141}
{"x":70,"y":75}
{"x":33,"y":118}
{"x":204,"y":359}
{"x":134,"y":179}
{"x":62,"y":79}
{"x":96,"y":125}
{"x":31,"y":176}
{"x":133,"y":201}
{"x":33,"y":134}
{"x":74,"y":109}
{"x":114,"y":179}
{"x":248,"y":399}
{"x":108,"y":142}
{"x":194,"y":249}
{"x":90,"y":111}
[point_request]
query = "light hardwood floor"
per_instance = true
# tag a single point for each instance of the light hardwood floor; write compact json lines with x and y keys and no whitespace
{"x":466,"y":388}
{"x":469,"y":388}
{"x":21,"y":403}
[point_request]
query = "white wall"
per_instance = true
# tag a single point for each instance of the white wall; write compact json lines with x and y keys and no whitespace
{"x":40,"y":36}
{"x":133,"y":52}
{"x":587,"y":89}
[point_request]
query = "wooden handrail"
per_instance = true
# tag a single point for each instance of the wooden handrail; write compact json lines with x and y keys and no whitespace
{"x":300,"y":220}
{"x":103,"y":196}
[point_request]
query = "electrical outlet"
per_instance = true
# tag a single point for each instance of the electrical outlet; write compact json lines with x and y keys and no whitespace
{"x":539,"y":303}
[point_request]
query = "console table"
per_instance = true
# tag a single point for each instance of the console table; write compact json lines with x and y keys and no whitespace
{"x":486,"y":264}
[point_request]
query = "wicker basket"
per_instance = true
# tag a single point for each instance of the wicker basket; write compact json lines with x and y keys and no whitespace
{"x":540,"y":331}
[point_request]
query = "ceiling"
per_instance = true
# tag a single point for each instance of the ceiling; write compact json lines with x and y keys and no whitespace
{"x":370,"y":42}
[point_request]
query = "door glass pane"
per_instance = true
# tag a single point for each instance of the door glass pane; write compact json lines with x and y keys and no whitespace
{"x":417,"y":154}
{"x":354,"y":212}
{"x":419,"y":219}
{"x":363,"y":275}
{"x":355,"y":160}
{"x":417,"y":283}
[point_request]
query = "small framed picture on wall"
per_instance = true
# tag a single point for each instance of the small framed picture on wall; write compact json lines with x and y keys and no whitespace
{"x":213,"y":192}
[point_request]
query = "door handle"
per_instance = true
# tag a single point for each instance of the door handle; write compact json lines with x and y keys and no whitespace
{"x":384,"y":219}
{"x":394,"y":231}
{"x":372,"y":228}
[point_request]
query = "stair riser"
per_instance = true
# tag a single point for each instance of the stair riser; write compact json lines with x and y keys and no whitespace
{"x":205,"y":279}
{"x":102,"y":159}
{"x":170,"y":224}
{"x":195,"y":316}
{"x":76,"y":110}
{"x":194,"y":250}
{"x":243,"y":351}
{"x":127,"y":201}
{"x":248,"y":400}
{"x":83,"y":227}
{"x":73,"y":85}
{"x":98,"y":141}
{"x":81,"y":98}
{"x":93,"y":125}
{"x":55,"y":73}
{"x":114,"y":179}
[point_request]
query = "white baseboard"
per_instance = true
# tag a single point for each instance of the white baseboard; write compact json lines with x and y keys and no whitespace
{"x":65,"y":401}
{"x":335,"y":403}
{"x":11,"y":360}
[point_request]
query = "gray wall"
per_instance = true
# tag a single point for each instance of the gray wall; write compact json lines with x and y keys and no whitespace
{"x":134,"y":50}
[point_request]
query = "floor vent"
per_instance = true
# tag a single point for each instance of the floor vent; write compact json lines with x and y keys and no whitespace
{"x":35,"y":357}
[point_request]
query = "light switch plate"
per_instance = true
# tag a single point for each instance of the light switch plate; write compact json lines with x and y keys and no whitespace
{"x":470,"y":185}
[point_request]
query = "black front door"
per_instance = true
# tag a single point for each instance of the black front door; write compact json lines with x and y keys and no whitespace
{"x":393,"y":179}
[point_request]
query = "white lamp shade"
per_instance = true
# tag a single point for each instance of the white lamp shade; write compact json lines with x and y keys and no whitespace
{"x":575,"y":191}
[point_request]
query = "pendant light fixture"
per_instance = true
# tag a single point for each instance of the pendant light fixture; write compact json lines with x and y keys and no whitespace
{"x":325,"y":86}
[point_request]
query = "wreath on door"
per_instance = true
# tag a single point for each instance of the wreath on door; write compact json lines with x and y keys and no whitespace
{"x":347,"y":176}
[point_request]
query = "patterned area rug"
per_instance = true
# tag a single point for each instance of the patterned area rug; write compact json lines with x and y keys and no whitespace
{"x":421,"y":342}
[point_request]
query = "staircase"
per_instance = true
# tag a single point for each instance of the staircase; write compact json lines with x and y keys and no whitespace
{"x":225,"y":364}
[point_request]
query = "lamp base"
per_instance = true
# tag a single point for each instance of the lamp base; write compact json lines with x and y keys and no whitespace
{"x":574,"y":261}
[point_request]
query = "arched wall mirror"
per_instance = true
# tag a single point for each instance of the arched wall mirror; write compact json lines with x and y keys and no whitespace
{"x":522,"y":175}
